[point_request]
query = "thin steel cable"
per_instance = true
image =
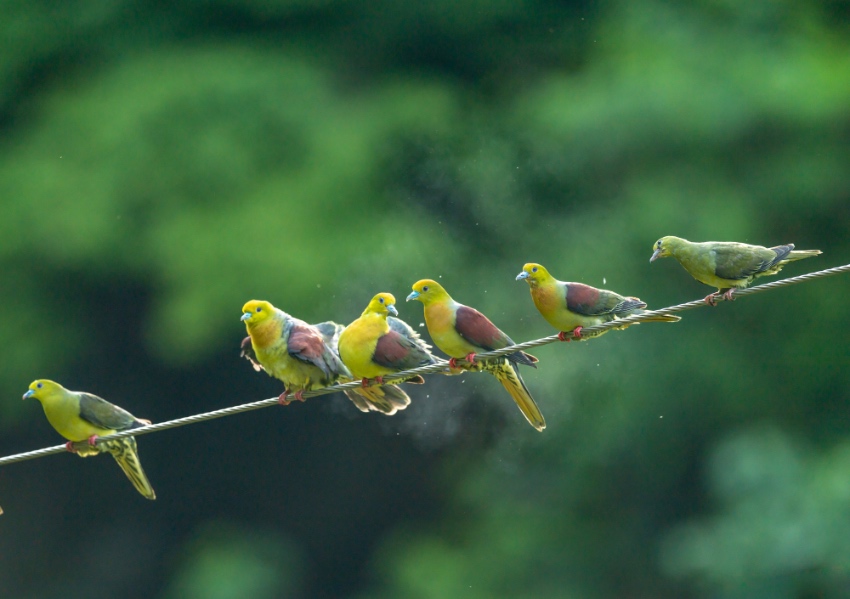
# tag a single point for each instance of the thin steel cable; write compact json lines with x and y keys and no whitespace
{"x":440,"y":367}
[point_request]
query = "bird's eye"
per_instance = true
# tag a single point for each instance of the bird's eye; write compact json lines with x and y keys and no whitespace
{"x":259,"y":309}
{"x":425,"y":288}
{"x":380,"y":299}
{"x":39,"y":385}
{"x":534,"y":269}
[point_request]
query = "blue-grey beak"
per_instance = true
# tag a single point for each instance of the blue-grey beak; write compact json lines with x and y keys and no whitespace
{"x":655,"y":255}
{"x":391,"y":309}
{"x":29,"y":394}
{"x":413,"y":295}
{"x":521,"y":276}
{"x":245,"y":316}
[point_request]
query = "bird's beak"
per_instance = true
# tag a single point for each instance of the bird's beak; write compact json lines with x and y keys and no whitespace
{"x":655,"y":255}
{"x":245,"y":316}
{"x":391,"y":309}
{"x":29,"y":394}
{"x":413,"y":295}
{"x":521,"y":276}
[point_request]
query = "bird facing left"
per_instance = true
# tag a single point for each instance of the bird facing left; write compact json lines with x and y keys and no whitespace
{"x":80,"y":416}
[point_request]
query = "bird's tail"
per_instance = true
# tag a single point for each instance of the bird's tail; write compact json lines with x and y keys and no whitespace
{"x":784,"y":255}
{"x":801,"y":254}
{"x":387,"y":399}
{"x":658,"y":317}
{"x":126,"y":453}
{"x":506,"y":374}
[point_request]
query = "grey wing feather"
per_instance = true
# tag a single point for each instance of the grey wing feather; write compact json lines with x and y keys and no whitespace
{"x":330,"y":330}
{"x":627,"y":306}
{"x":100,"y":412}
{"x":404,"y":329}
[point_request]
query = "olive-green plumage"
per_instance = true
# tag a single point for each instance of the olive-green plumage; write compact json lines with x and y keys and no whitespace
{"x":726,"y":264}
{"x":80,"y":416}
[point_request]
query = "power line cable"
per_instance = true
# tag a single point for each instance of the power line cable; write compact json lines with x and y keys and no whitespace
{"x":441,"y":367}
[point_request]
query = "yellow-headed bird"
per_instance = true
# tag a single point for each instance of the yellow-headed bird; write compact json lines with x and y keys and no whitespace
{"x":80,"y":416}
{"x":462,"y":332}
{"x":376,"y":345}
{"x":726,"y":264}
{"x":302,"y":355}
{"x":573,"y":306}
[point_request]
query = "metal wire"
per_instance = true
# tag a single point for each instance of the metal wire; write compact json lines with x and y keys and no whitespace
{"x":440,"y":367}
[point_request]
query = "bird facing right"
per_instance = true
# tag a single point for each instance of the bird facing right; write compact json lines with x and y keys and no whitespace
{"x":376,"y":345}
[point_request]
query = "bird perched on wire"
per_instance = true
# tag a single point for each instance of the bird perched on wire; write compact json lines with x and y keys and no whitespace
{"x":303,"y":356}
{"x":462,"y":332}
{"x":80,"y":416}
{"x":727,"y":265}
{"x":573,"y":306}
{"x":376,"y":345}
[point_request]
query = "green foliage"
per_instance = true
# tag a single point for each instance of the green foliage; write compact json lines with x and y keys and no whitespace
{"x":228,"y":562}
{"x":782,"y":517}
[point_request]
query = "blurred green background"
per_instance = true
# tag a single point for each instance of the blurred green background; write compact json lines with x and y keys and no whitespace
{"x":161,"y":163}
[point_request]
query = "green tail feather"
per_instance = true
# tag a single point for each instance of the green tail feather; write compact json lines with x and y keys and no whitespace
{"x":791,"y":257}
{"x":513,"y":383}
{"x":126,"y":454}
{"x":659,"y":317}
{"x":801,"y":254}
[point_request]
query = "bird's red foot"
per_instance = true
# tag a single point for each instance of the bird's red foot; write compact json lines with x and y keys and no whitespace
{"x":378,"y":379}
{"x":70,"y":447}
{"x":93,"y":440}
{"x":728,"y":295}
{"x":455,"y":366}
{"x":711,"y":299}
{"x":282,"y":398}
{"x":577,"y":333}
{"x":299,"y":395}
{"x":563,"y":336}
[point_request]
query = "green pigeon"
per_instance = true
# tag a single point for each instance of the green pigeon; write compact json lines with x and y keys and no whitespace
{"x":726,"y":264}
{"x":80,"y":416}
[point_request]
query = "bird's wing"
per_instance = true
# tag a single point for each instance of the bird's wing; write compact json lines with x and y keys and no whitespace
{"x":478,"y":330}
{"x":101,"y":413}
{"x":401,"y":347}
{"x":249,"y":354}
{"x":306,"y":343}
{"x":740,"y":261}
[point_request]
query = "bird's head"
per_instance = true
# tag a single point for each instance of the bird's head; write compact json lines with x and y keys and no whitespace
{"x":663,"y":247}
{"x":256,"y":312}
{"x":383,"y":303}
{"x":427,"y":291}
{"x":533,"y":274}
{"x":41,"y":389}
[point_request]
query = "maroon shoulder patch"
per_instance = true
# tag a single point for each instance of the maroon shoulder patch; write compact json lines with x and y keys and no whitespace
{"x":582,"y":299}
{"x":306,"y":343}
{"x":476,"y":328}
{"x":393,"y":351}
